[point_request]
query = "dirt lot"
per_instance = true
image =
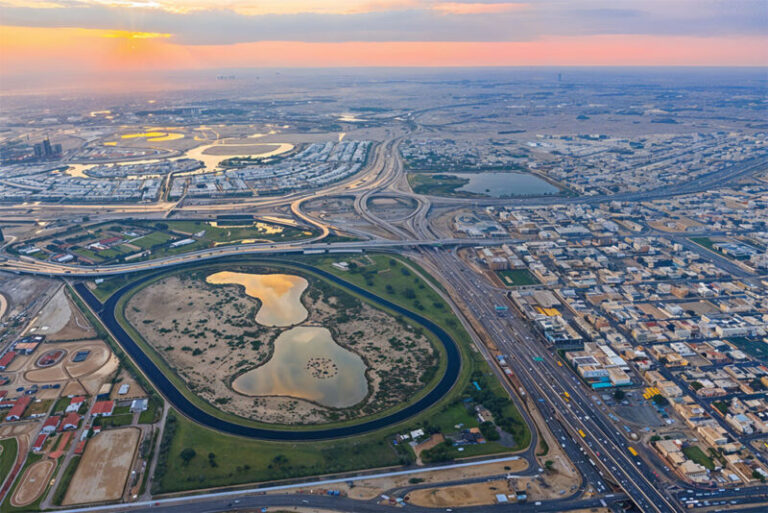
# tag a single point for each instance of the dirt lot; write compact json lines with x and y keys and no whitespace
{"x":370,"y":489}
{"x":60,"y":320}
{"x":210,"y":346}
{"x":33,"y":482}
{"x":477,"y":494}
{"x":551,"y":485}
{"x":134,"y":389}
{"x":104,"y":469}
{"x":21,"y":291}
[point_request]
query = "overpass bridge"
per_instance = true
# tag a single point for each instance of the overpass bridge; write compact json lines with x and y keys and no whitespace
{"x":28,"y":265}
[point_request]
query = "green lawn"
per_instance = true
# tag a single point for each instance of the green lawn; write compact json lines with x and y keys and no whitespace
{"x":61,"y":405}
{"x":106,"y":288}
{"x":114,"y":420}
{"x":755,"y":348}
{"x":704,"y":241}
{"x":236,"y":232}
{"x":239,"y":460}
{"x":153,"y":411}
{"x":437,"y":184}
{"x":452,"y":415}
{"x":8,"y":456}
{"x":152,"y":239}
{"x":517,"y":277}
{"x":87,"y":253}
{"x":695,"y":454}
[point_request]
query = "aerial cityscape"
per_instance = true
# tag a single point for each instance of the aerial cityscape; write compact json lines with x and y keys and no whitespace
{"x":327,"y":284}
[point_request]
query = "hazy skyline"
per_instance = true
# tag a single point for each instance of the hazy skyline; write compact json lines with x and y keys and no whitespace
{"x":106,"y":36}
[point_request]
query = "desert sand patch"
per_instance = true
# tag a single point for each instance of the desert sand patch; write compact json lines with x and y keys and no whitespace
{"x":209,"y":335}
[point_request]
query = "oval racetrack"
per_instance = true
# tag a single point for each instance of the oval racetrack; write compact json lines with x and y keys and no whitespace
{"x":180,"y":402}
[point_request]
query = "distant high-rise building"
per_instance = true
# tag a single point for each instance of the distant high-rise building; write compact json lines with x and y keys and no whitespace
{"x":46,"y":150}
{"x":559,"y":77}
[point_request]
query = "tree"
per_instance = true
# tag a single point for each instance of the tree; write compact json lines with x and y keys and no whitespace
{"x":548,"y":465}
{"x":488,"y":429}
{"x":619,"y":395}
{"x":660,"y":400}
{"x":187,"y":455}
{"x":279,"y":461}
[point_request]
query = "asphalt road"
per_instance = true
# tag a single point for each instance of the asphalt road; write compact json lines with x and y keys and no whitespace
{"x":547,"y":383}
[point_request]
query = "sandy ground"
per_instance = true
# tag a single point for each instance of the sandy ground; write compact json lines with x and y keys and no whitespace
{"x":33,"y":482}
{"x":60,"y":320}
{"x":241,"y":149}
{"x":210,"y":346}
{"x":134,"y":389}
{"x":3,"y":305}
{"x":477,"y":494}
{"x":104,"y":469}
{"x":549,"y":485}
{"x":75,"y":378}
{"x":66,"y":369}
{"x":22,"y":431}
{"x":21,"y":291}
{"x":337,"y":210}
{"x":370,"y":489}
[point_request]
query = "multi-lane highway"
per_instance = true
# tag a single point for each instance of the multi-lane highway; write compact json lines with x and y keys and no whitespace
{"x":546,"y":383}
{"x":601,"y":455}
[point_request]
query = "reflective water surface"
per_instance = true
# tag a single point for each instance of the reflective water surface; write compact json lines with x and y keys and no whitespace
{"x":280,"y":295}
{"x":308,"y":364}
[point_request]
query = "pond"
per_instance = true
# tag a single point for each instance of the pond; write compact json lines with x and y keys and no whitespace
{"x":500,"y":185}
{"x":280,"y":295}
{"x":308,"y":364}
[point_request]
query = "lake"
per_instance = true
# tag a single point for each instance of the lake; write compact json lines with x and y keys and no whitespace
{"x":280,"y":295}
{"x":308,"y":364}
{"x":501,"y":185}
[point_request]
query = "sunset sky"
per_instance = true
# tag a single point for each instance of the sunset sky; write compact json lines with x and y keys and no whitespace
{"x":98,"y":36}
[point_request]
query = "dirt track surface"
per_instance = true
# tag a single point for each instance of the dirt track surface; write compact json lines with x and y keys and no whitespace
{"x":33,"y":482}
{"x":104,"y":469}
{"x":66,"y":368}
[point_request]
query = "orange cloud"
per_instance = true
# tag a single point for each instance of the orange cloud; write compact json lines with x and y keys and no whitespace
{"x":24,"y":50}
{"x":125,"y":34}
{"x":244,"y":7}
{"x":477,"y":8}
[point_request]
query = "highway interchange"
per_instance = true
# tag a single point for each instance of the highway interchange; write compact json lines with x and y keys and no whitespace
{"x":601,"y":456}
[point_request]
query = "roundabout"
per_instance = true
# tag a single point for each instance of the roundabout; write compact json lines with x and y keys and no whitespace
{"x":204,"y":413}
